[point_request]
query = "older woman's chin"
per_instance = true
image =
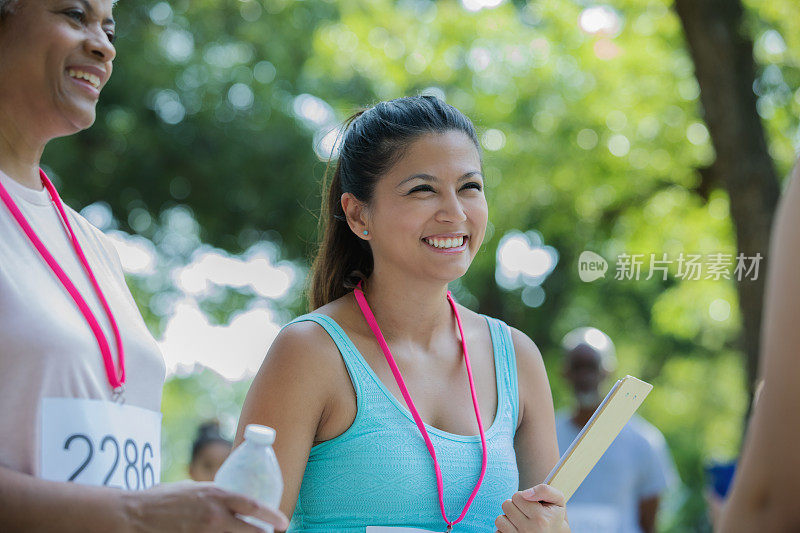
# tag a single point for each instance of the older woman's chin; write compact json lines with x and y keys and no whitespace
{"x":88,"y":122}
{"x":78,"y":120}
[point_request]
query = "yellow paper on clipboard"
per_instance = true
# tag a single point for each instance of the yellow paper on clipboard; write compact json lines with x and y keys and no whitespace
{"x":617,"y":408}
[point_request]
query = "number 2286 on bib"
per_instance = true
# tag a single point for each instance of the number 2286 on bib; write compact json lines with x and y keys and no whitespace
{"x":96,"y":442}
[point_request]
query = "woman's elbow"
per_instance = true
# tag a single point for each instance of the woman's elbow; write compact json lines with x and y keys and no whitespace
{"x":766,"y":510}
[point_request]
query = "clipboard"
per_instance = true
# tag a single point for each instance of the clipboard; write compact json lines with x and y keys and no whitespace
{"x":617,"y":408}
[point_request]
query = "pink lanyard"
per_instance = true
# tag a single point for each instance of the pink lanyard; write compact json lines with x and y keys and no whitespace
{"x":115,"y":379}
{"x":373,"y":324}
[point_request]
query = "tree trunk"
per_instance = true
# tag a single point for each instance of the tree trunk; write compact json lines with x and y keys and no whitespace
{"x":725,"y":70}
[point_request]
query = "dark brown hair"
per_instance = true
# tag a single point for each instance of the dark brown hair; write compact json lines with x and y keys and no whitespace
{"x":207,"y":433}
{"x":373,"y":140}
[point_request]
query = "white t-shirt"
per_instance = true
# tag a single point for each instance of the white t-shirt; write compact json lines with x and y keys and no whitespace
{"x":636,"y":466}
{"x":47,"y":349}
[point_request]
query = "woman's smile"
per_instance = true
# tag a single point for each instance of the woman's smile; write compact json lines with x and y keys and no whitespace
{"x":89,"y":76}
{"x":447,"y":244}
{"x":88,"y":84}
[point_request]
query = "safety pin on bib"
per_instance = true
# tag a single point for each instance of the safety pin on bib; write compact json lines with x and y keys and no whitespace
{"x":118,"y":394}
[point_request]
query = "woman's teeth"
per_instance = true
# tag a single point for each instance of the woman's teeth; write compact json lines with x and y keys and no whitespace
{"x":91,"y":78}
{"x":453,"y":242}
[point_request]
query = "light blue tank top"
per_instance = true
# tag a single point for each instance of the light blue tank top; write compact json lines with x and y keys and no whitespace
{"x":379,"y":472}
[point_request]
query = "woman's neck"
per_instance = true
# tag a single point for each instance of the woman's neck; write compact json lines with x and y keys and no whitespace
{"x":582,"y":414}
{"x":408,"y":309}
{"x":19,"y":153}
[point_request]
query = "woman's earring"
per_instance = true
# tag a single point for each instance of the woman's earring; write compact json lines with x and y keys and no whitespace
{"x":366,"y":232}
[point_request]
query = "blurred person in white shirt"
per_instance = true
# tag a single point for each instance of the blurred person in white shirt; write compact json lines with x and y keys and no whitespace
{"x":622,"y":492}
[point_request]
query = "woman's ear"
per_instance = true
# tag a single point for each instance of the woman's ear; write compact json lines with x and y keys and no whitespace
{"x":357,"y":215}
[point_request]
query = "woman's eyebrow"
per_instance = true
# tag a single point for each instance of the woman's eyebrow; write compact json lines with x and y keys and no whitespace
{"x":429,"y":177}
{"x":90,"y":10}
{"x":424,"y":177}
{"x":470,"y":174}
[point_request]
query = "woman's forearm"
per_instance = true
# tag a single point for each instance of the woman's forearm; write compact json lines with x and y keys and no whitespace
{"x":30,"y":504}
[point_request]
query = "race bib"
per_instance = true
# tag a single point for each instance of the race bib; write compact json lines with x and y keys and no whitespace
{"x":386,"y":529}
{"x":95,"y":442}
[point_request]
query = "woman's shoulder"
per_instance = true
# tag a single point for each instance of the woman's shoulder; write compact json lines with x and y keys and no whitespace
{"x":308,"y":336}
{"x":473,"y":320}
{"x":521,"y":341}
{"x":102,"y":246}
{"x":302,"y":356}
{"x":526,"y":351}
{"x":470,"y":318}
{"x":337,"y":309}
{"x":85,"y":226}
{"x":524,"y":344}
{"x":344,"y":312}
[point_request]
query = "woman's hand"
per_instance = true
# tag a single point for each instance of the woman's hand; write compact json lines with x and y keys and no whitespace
{"x":197,"y":508}
{"x":538,"y":509}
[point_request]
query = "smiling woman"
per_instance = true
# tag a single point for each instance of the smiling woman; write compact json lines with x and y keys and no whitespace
{"x":80,"y":375}
{"x":349,"y":387}
{"x":64,"y":51}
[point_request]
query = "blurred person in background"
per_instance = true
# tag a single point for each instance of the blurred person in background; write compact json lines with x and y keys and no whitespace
{"x":764,"y":494}
{"x":622,"y":492}
{"x":209,"y":451}
{"x":80,"y":375}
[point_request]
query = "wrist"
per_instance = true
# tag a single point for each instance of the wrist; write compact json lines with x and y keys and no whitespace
{"x":132,"y":511}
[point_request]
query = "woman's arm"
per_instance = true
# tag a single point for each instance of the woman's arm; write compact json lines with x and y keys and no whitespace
{"x":290,"y":393}
{"x":24,"y":499}
{"x":765,"y":488}
{"x":34,"y":505}
{"x":648,"y":510}
{"x":535,"y":443}
{"x":535,"y":507}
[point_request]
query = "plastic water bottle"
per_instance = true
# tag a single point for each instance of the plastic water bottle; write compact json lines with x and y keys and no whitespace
{"x":252,"y":470}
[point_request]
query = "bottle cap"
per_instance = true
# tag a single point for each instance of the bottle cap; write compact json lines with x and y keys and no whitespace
{"x":257,"y":434}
